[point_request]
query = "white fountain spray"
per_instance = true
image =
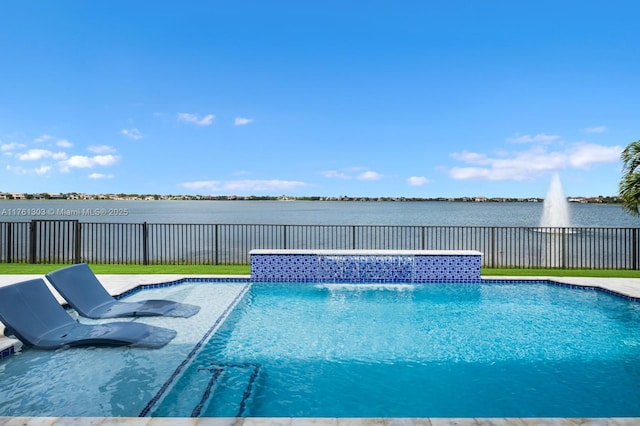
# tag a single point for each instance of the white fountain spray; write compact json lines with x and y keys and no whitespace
{"x":556,"y":207}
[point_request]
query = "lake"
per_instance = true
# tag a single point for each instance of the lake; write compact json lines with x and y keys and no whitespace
{"x":423,"y":213}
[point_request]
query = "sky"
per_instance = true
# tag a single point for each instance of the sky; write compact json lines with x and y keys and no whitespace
{"x":371,"y":98}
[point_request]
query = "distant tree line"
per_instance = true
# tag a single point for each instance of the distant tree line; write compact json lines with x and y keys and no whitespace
{"x":151,"y":197}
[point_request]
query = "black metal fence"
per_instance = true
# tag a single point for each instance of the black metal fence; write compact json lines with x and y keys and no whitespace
{"x":71,"y":241}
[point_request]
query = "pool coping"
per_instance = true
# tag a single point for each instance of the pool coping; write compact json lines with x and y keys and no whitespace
{"x":121,"y":285}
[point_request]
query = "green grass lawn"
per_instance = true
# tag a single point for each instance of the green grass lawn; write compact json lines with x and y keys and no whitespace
{"x":25,"y":268}
{"x":555,"y":272}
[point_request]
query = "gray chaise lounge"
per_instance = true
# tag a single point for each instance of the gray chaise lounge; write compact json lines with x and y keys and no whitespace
{"x":32,"y":314}
{"x":84,"y":293}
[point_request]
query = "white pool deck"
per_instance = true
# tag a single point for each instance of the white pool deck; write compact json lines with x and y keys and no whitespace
{"x":117,"y":284}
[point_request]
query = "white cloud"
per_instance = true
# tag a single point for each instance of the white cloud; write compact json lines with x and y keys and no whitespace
{"x":244,"y":185}
{"x":19,"y":170}
{"x":47,"y":160}
{"x":417,"y":181}
{"x":241,"y":121}
{"x":43,"y":138}
{"x":262,"y":185}
{"x":101,"y":149}
{"x":11,"y":146}
{"x":202,"y":184}
{"x":583,"y":155}
{"x":105,"y":160}
{"x":34,"y":154}
{"x":80,"y":161}
{"x":42,"y":170}
{"x":62,"y":143}
{"x":369,"y":175}
{"x":134,"y":134}
{"x":39,"y":154}
{"x":470,"y":173}
{"x":207,"y":120}
{"x":361,"y":173}
{"x":471,"y":157}
{"x":84,"y":162}
{"x":100,"y":176}
{"x":540,"y":138}
{"x":596,"y":129}
{"x":519,"y":166}
{"x":525,"y":165}
{"x":335,"y":174}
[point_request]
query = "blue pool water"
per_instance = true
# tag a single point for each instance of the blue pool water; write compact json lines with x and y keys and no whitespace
{"x":494,"y":349}
{"x":437,"y":350}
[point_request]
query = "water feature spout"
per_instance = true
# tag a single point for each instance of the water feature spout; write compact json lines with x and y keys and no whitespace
{"x":556,"y":207}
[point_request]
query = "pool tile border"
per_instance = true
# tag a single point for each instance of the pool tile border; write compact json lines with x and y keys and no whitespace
{"x":179,"y":281}
{"x":551,"y":281}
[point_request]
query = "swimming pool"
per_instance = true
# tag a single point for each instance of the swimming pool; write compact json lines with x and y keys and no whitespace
{"x":490,"y":349}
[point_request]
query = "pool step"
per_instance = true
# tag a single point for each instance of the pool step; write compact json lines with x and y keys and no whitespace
{"x":212,"y":390}
{"x":230,"y":387}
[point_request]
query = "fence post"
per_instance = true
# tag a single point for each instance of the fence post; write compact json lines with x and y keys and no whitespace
{"x":77,"y":255}
{"x":9,"y":244}
{"x":216,"y":260}
{"x":493,"y":247}
{"x":145,"y":244}
{"x":32,"y":242}
{"x":284,"y":236}
{"x":634,"y":249}
{"x":353,"y":237}
{"x":564,"y":248}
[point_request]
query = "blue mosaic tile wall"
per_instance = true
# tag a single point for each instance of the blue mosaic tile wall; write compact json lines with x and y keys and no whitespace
{"x":365,"y":268}
{"x":449,"y":268}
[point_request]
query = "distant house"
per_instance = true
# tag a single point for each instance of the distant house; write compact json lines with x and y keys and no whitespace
{"x":18,"y":196}
{"x":480,"y":199}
